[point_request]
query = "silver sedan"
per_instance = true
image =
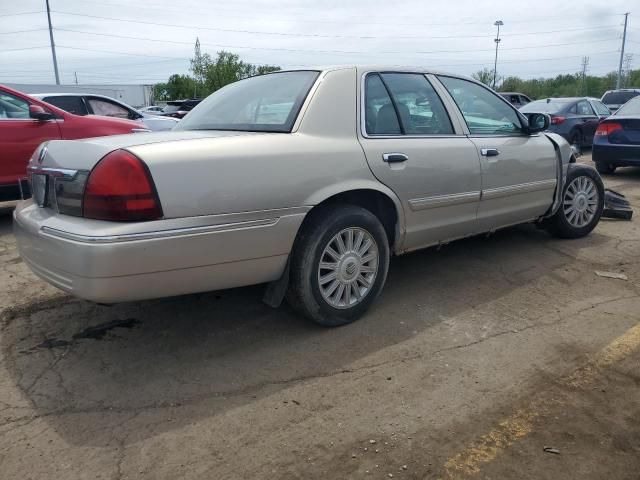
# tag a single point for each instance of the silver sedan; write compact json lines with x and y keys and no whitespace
{"x":308,"y":181}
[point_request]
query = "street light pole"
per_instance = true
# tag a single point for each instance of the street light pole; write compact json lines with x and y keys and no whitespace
{"x":497,"y":23}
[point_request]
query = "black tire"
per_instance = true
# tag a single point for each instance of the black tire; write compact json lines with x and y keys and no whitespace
{"x":605,"y":168}
{"x":304,"y":294}
{"x":576,"y":138}
{"x":559,"y":225}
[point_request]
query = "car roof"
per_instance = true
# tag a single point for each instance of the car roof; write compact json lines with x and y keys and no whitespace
{"x":623,"y":90}
{"x":71,"y":94}
{"x":567,"y":99}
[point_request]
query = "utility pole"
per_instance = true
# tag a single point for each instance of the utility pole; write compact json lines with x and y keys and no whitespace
{"x":497,"y":23}
{"x":627,"y":69}
{"x":53,"y":45}
{"x":585,"y":67}
{"x":624,"y":38}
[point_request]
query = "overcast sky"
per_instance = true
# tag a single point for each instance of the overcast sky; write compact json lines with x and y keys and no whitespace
{"x":121,"y":41}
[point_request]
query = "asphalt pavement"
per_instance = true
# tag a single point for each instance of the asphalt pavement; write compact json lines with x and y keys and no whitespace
{"x":498,"y":357}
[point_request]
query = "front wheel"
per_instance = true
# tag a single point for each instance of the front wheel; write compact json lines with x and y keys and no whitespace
{"x":581,"y":207}
{"x":339,"y":265}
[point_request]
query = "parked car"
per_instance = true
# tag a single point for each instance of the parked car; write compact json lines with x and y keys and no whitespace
{"x":575,"y":118}
{"x":179,"y":108}
{"x":90,"y":104}
{"x":26,"y":122}
{"x":516,"y":99}
{"x":617,"y":139}
{"x":307,"y":179}
{"x":614,"y":99}
{"x":152,"y":109}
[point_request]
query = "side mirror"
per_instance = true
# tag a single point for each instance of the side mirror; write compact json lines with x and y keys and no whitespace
{"x":39,"y":113}
{"x":538,"y":122}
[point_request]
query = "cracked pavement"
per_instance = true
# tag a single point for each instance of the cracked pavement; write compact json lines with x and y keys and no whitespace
{"x":218,"y":385}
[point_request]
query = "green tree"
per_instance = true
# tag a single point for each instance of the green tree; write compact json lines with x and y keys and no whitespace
{"x":228,"y":68}
{"x":177,"y":87}
{"x":485,"y":76}
{"x":199,"y":64}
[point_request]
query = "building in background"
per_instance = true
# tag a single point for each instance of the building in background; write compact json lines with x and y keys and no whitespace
{"x":134,"y":95}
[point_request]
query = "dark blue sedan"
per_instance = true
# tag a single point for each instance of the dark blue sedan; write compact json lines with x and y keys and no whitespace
{"x":617,"y":140}
{"x":575,"y":118}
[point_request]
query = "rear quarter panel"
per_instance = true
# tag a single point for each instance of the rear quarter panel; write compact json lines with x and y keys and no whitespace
{"x":266,"y":171}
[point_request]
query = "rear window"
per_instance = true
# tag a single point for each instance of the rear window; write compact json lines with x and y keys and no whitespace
{"x":632,"y":107}
{"x":171,"y":108}
{"x":618,"y":98}
{"x":265,"y":103}
{"x":71,"y":104}
{"x":544,"y":106}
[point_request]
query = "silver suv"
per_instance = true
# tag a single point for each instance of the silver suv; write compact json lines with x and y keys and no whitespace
{"x":614,"y":99}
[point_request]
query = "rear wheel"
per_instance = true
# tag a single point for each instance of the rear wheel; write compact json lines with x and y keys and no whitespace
{"x":339,"y":265}
{"x":576,"y":139}
{"x":581,"y":207}
{"x":604,"y":167}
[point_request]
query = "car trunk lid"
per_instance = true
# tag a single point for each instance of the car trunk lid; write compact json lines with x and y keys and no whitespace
{"x":59,"y":169}
{"x":622,"y":130}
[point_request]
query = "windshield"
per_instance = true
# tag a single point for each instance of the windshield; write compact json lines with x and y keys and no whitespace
{"x":542,"y":106}
{"x":266,"y":103}
{"x":618,"y":98}
{"x":632,"y":107}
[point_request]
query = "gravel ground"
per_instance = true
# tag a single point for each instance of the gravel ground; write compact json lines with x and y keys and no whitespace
{"x":476,"y":357}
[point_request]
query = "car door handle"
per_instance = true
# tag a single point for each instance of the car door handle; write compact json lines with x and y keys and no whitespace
{"x":394,"y":157}
{"x":489,"y":152}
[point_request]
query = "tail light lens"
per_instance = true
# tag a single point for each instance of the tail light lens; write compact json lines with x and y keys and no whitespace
{"x":120,"y":188}
{"x":557,"y":119}
{"x":607,"y":128}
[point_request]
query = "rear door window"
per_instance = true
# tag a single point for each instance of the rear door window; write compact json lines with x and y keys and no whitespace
{"x":483,"y":111}
{"x":420,"y":109}
{"x":72,"y":104}
{"x":380,"y":115}
{"x":404,"y":103}
{"x":107,"y":109}
{"x":584,"y":108}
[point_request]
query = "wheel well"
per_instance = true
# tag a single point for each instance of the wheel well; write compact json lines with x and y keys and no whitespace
{"x":376,"y":202}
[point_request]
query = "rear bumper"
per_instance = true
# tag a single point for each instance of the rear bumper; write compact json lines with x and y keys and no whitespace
{"x":617,"y":155}
{"x":160,"y":263}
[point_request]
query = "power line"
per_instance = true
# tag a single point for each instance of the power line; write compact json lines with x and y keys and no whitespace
{"x":22,"y":48}
{"x":21,"y":13}
{"x":247,"y":15}
{"x":316,"y":35}
{"x":24,"y":31}
{"x":359,"y":52}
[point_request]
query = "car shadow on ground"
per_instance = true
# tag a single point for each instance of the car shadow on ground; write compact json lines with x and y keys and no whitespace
{"x":68,"y":356}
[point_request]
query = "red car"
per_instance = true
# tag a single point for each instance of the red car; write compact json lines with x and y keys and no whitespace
{"x":26,"y":122}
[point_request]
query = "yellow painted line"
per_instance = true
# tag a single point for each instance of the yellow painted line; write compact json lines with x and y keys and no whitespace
{"x":488,"y":447}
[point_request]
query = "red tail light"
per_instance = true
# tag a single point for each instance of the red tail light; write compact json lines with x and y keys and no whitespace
{"x":557,"y":119}
{"x":120,"y":188}
{"x":607,"y":128}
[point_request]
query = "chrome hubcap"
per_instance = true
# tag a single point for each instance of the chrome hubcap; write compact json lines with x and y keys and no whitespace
{"x":348,"y":267}
{"x":580,"y":202}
